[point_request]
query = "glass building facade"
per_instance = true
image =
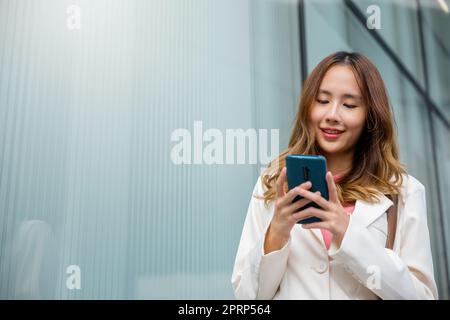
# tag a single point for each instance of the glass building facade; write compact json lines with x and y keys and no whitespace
{"x":96,"y":95}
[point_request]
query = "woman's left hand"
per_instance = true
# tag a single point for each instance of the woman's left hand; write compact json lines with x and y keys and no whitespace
{"x":333,"y":215}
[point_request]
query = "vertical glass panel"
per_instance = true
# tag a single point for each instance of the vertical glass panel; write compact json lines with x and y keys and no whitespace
{"x":340,"y":30}
{"x":443,"y":167}
{"x":436,"y":26}
{"x":393,"y":20}
{"x":95,"y":98}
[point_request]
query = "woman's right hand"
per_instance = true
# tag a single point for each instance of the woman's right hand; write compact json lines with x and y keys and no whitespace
{"x":282,"y":221}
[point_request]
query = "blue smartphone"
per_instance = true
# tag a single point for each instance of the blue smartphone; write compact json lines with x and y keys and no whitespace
{"x":302,"y":168}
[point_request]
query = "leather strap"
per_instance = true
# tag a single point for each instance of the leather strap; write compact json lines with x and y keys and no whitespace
{"x":392,"y":223}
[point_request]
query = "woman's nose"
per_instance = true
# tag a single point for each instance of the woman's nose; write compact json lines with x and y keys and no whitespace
{"x":333,"y":112}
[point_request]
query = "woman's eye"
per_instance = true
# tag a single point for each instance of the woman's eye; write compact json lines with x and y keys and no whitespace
{"x":350,"y":106}
{"x":322,"y":101}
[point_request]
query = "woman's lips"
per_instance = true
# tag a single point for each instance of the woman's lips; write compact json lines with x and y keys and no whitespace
{"x":329,"y":135}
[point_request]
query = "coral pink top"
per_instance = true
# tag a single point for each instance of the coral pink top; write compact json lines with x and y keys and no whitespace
{"x":349,"y":207}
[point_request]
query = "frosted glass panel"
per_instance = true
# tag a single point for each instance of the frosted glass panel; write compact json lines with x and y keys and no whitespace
{"x":93,"y":204}
{"x":420,"y":132}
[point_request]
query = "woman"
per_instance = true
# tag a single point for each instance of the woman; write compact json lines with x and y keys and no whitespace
{"x":344,"y":115}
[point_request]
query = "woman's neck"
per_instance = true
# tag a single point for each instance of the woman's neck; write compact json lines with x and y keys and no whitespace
{"x":339,"y":164}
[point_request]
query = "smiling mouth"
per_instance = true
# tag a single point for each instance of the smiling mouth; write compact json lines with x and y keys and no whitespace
{"x":331,"y":133}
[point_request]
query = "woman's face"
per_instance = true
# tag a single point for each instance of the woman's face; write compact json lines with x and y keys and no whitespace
{"x":338,"y":114}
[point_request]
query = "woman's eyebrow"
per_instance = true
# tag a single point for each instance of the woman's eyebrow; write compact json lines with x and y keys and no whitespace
{"x":352,"y":96}
{"x":328,"y":93}
{"x":345,"y":95}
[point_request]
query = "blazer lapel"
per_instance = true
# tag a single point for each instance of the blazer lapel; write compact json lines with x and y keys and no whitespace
{"x":318,"y":234}
{"x":364,"y":212}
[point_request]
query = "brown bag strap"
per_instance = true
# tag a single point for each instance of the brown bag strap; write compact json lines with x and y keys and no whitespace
{"x":392,"y":223}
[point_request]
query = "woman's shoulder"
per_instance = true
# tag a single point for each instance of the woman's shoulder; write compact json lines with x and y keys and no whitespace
{"x":412,"y":184}
{"x":259,"y":188}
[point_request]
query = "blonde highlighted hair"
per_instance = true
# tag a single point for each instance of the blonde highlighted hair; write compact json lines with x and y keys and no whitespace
{"x":376,"y":168}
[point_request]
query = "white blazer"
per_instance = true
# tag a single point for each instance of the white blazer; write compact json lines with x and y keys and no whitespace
{"x":362,"y":268}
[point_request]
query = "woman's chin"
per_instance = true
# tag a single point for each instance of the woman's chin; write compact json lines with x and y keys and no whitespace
{"x":327,"y":149}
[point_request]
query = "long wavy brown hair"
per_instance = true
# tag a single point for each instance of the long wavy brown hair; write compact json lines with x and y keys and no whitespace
{"x":376,"y":168}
